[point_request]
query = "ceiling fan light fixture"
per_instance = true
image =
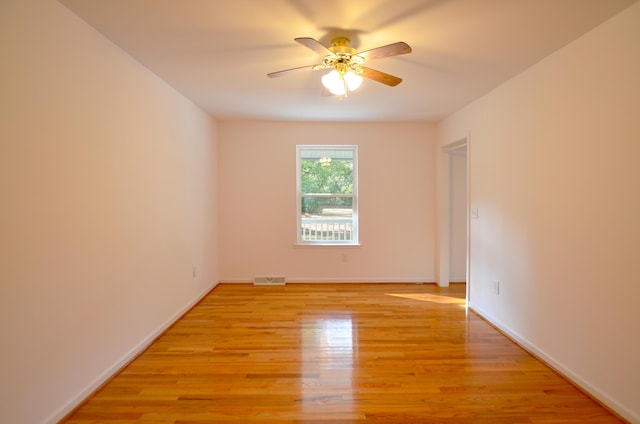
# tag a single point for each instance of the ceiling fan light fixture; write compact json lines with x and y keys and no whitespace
{"x":346,"y":64}
{"x":338,"y":84}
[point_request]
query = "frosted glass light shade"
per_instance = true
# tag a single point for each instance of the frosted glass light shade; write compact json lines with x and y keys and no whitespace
{"x":335,"y":83}
{"x":353,"y":80}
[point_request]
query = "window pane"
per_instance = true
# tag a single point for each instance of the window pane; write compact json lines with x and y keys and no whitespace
{"x":327,"y":218}
{"x":327,"y":171}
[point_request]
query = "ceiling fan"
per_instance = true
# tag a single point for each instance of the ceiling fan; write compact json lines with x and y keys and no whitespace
{"x":346,"y":64}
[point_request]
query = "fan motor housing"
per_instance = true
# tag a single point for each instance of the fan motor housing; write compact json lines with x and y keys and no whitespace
{"x":342,"y":45}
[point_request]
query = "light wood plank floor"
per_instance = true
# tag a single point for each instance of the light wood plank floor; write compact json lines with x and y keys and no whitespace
{"x":328,"y":353}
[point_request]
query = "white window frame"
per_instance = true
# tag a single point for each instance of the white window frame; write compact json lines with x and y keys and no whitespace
{"x":299,"y":195}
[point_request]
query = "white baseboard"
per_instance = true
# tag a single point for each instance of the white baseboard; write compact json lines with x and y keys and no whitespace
{"x":122,"y":362}
{"x":360,"y":280}
{"x":294,"y":280}
{"x":559,"y":367}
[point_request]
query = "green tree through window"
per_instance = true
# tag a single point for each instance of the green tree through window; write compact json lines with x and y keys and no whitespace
{"x":326,"y":177}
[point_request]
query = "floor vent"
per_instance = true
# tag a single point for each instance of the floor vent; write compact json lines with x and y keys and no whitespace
{"x":269,"y":281}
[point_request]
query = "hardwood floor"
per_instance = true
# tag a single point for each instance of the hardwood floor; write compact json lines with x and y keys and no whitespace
{"x":328,"y":353}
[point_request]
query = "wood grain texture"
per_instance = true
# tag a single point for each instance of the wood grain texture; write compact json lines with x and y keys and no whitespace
{"x":331,"y":353}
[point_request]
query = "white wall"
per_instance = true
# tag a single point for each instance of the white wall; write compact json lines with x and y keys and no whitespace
{"x":108,"y":187}
{"x":258,"y":202}
{"x":555,"y":177}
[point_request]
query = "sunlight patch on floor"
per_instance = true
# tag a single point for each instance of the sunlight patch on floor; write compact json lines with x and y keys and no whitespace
{"x":434,"y":298}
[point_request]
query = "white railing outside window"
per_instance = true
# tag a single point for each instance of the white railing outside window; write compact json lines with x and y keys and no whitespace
{"x":326,"y":229}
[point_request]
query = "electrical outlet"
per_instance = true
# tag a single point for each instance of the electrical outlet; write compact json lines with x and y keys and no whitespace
{"x":496,"y":287}
{"x":195,"y":271}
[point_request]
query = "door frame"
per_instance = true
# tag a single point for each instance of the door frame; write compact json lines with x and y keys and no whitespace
{"x":444,"y":196}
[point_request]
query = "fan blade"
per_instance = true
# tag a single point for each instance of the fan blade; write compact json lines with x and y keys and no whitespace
{"x":380,"y":77}
{"x":293,"y":70}
{"x":314,"y":45}
{"x":389,"y":50}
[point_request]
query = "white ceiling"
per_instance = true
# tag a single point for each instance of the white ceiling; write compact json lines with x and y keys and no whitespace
{"x":218,"y":52}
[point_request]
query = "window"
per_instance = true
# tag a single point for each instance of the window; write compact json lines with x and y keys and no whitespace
{"x":327,"y":187}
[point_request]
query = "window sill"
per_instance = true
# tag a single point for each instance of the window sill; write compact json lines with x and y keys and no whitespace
{"x":304,"y":245}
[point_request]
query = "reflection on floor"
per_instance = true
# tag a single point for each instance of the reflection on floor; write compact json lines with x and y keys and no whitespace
{"x":330,"y":353}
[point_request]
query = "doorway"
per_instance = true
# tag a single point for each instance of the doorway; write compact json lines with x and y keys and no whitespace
{"x":458,"y":215}
{"x":453,"y":214}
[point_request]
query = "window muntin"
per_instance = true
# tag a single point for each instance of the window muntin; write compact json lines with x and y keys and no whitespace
{"x":327,"y":195}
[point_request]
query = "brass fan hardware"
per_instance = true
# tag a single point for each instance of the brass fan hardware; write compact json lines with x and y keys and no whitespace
{"x":346,"y":64}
